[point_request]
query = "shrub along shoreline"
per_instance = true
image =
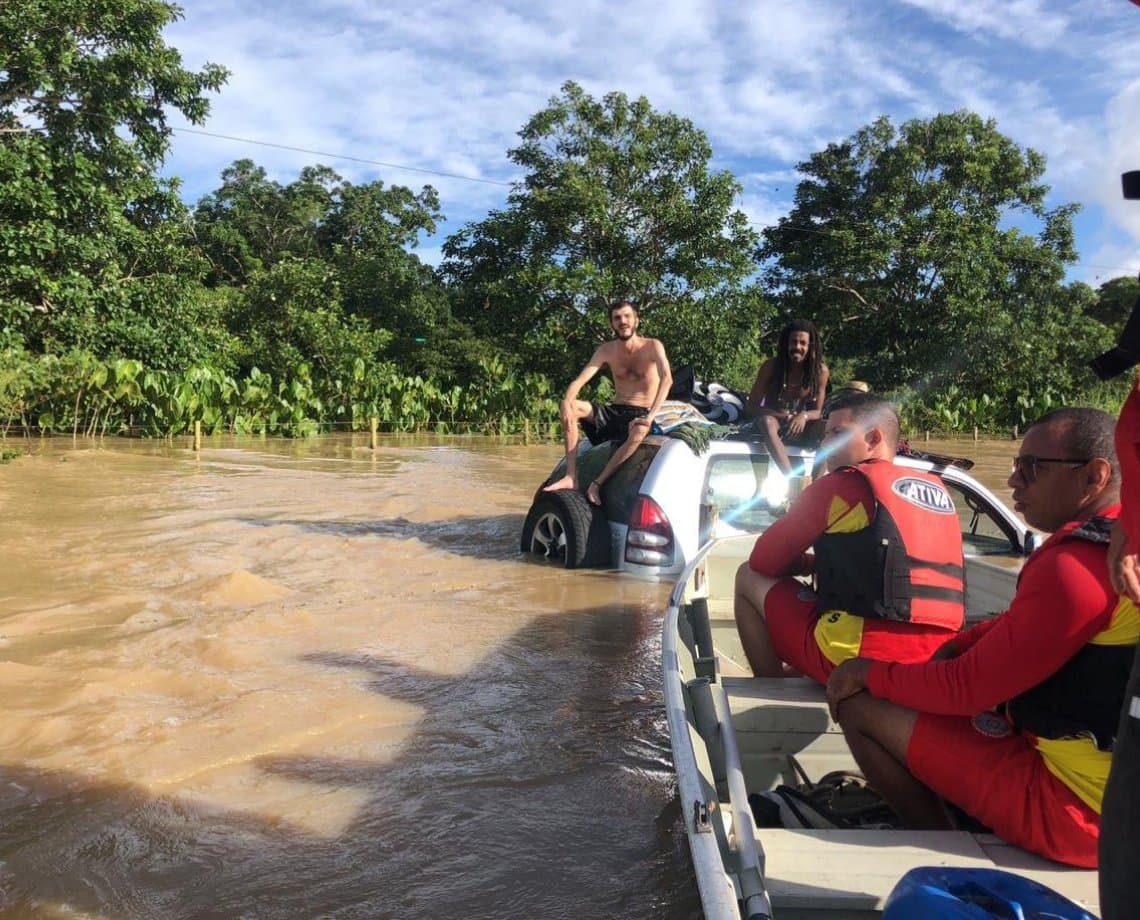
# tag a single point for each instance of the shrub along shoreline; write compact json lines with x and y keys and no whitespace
{"x":78,"y":394}
{"x":81,"y":395}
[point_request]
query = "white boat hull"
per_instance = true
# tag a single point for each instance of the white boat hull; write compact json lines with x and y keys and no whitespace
{"x":731,"y":734}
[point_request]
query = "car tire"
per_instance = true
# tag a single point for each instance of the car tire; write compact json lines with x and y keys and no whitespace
{"x":563,"y":527}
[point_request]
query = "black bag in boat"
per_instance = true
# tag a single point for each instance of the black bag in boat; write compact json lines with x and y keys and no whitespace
{"x":841,"y":799}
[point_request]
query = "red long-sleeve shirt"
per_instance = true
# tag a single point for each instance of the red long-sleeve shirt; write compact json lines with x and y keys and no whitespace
{"x":840,"y":502}
{"x":1063,"y":599}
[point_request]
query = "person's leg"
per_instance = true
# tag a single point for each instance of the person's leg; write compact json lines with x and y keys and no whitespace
{"x":793,"y":625}
{"x":775,"y":618}
{"x":634,"y":436}
{"x":571,"y":412}
{"x":878,"y":734}
{"x":813,"y":438}
{"x":771,"y":428}
{"x":748,"y":607}
{"x":1120,"y":814}
{"x":998,"y":776}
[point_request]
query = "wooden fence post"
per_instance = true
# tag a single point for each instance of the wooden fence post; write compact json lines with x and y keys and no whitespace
{"x":372,"y":433}
{"x":197,"y":435}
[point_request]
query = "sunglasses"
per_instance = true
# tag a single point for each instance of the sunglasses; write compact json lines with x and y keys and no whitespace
{"x":1026,"y":464}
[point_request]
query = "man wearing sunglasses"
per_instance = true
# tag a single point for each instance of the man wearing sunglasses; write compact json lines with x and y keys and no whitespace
{"x":1013,"y":721}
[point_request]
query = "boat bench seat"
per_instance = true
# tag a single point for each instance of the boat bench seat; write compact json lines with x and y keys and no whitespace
{"x":775,"y":717}
{"x":850,"y":872}
{"x":811,"y":872}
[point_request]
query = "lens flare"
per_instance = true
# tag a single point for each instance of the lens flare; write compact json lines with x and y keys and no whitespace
{"x":774,"y":492}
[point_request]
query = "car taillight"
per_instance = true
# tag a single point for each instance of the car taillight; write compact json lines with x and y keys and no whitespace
{"x":650,"y":537}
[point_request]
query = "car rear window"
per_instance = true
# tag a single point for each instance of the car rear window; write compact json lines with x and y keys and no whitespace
{"x":983,"y":532}
{"x":734,"y":483}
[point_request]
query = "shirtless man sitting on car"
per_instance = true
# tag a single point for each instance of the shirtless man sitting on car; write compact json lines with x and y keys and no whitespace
{"x":641,"y":382}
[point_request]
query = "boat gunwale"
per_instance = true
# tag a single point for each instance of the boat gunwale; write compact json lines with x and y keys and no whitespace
{"x":717,"y":903}
{"x":715,"y":867}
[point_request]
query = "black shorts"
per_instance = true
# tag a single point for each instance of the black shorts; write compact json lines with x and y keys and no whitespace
{"x":611,"y":421}
{"x":810,"y":437}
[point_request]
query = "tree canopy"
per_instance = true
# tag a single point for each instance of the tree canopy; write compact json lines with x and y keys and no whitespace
{"x":88,"y":231}
{"x":617,"y":201}
{"x":324,"y":259}
{"x":1114,"y":301}
{"x":931,"y":257}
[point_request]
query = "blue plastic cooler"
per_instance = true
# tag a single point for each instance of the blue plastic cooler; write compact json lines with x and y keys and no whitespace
{"x":939,"y":893}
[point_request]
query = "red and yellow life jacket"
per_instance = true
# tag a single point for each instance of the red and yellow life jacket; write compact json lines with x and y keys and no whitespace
{"x":1084,"y":698}
{"x":907,"y":564}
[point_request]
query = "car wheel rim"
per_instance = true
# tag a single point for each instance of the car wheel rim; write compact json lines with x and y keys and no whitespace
{"x":549,"y":540}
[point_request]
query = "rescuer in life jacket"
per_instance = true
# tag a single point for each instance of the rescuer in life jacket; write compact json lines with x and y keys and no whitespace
{"x":1028,"y":701}
{"x":887,"y":558}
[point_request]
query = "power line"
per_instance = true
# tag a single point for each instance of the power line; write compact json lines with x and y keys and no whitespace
{"x":435,"y":172}
{"x":345,"y":156}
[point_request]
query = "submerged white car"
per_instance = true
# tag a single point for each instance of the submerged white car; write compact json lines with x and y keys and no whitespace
{"x":666,"y":501}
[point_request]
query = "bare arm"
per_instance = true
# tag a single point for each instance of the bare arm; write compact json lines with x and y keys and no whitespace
{"x":664,"y":383}
{"x":664,"y":378}
{"x":816,"y":412}
{"x":753,"y":407}
{"x":595,"y":364}
{"x":799,"y":420}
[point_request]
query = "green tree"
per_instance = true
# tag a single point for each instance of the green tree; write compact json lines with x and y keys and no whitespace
{"x":618,"y":200}
{"x":86,"y":249}
{"x":1114,"y":301}
{"x":292,"y":314}
{"x":927,"y":253}
{"x":370,"y":233}
{"x":252,"y":222}
{"x":357,"y":244}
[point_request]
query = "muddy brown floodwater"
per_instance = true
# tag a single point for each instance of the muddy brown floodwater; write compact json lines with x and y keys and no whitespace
{"x":299,"y":679}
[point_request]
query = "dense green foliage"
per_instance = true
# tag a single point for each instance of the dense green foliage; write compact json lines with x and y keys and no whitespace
{"x":926,"y":253}
{"x":79,"y":394}
{"x":90,"y":254}
{"x":911,"y":241}
{"x":618,"y":201}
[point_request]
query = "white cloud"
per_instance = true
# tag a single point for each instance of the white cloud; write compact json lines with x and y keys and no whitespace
{"x":1036,"y":23}
{"x":1122,"y":154}
{"x":445,"y":85}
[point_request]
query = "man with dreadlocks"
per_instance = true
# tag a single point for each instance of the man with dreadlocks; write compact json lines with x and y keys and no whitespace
{"x":787,"y":398}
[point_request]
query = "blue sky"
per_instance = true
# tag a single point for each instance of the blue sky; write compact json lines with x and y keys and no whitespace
{"x":445,"y":85}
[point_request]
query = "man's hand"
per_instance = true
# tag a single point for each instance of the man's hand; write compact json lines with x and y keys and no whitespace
{"x":1123,"y":564}
{"x":846,"y":680}
{"x":797,"y":423}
